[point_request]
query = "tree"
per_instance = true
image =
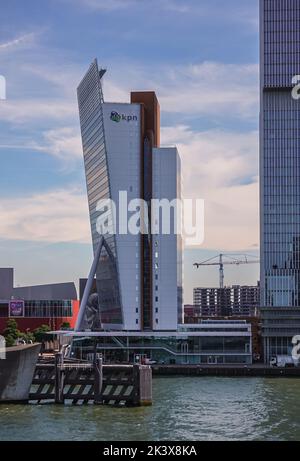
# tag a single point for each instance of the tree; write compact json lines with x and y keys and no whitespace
{"x":40,"y":333}
{"x":27,"y":337}
{"x":11,"y":332}
{"x":65,"y":326}
{"x":9,"y":341}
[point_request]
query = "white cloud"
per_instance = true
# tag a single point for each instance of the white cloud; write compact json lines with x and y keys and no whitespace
{"x":177,"y":6}
{"x":23,"y":39}
{"x":222,"y":169}
{"x":243,"y":14}
{"x":208,"y":88}
{"x":113,"y":5}
{"x":107,"y":5}
{"x":215,"y":157}
{"x":55,"y":216}
{"x":63,"y":143}
{"x":27,"y":111}
{"x":217,"y":166}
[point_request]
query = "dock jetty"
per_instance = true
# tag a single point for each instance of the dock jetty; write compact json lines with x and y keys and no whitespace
{"x":61,"y":380}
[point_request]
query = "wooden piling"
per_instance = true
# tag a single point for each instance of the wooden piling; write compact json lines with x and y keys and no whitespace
{"x":98,"y":369}
{"x":59,"y":378}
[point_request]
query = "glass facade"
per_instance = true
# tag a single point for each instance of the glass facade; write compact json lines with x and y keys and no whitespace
{"x":279,"y":174}
{"x":43,"y":309}
{"x":281,"y":199}
{"x":90,"y":99}
{"x":280,"y":160}
{"x":147,"y":314}
{"x":217,"y":349}
{"x":48,"y":308}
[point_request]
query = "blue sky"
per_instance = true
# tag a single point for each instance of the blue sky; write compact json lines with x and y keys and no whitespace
{"x":200,"y":56}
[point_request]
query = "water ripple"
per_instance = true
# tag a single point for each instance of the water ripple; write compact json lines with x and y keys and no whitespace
{"x":183,"y":409}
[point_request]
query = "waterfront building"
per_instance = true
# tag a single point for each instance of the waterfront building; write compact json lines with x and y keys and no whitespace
{"x":134,"y":306}
{"x":139,"y":276}
{"x":279,"y":174}
{"x":192,"y":315}
{"x":209,"y":342}
{"x":32,"y":306}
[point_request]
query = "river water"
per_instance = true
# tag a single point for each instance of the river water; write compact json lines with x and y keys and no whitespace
{"x":183,"y":409}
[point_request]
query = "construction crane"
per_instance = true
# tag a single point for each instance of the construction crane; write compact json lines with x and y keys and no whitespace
{"x":221,"y":263}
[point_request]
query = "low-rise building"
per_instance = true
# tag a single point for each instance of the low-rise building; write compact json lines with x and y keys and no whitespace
{"x":192,"y":315}
{"x":209,"y":342}
{"x":32,"y":306}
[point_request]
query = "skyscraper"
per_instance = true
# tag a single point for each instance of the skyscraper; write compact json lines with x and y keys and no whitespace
{"x":139,"y":275}
{"x":279,"y":174}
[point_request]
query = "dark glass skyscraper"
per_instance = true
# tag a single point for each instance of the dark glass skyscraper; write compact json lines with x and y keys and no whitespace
{"x":279,"y":174}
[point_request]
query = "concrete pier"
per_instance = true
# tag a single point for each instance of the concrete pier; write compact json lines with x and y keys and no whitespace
{"x":145,"y":385}
{"x":16,"y":372}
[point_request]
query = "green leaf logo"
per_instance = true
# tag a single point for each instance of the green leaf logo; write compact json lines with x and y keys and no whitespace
{"x":115,"y":117}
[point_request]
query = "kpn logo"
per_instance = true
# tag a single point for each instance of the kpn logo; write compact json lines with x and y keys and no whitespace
{"x":116,"y":117}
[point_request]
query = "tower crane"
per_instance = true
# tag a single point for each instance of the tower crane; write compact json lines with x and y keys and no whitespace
{"x":234,"y":259}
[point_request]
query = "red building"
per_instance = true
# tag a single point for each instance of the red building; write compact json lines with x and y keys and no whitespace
{"x":32,"y":306}
{"x":37,"y":313}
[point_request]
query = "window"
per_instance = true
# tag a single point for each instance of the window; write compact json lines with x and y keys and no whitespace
{"x":43,"y":308}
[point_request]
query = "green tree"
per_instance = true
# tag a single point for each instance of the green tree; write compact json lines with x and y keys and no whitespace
{"x":9,"y":341}
{"x":40,"y":333}
{"x":28,"y":336}
{"x":65,"y":326}
{"x":11,"y":332}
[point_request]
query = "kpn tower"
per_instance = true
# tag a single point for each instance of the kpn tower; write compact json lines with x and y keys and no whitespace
{"x":138,"y":273}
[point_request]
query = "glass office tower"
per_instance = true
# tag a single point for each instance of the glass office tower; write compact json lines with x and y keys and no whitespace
{"x":139,"y":274}
{"x":279,"y":174}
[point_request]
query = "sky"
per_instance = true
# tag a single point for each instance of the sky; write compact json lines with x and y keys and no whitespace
{"x":201,"y":58}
